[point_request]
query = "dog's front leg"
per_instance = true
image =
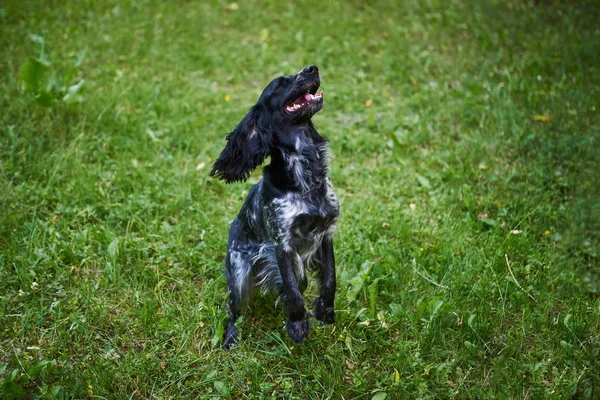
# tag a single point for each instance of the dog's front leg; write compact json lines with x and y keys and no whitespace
{"x":297,"y":323}
{"x":323,"y":305}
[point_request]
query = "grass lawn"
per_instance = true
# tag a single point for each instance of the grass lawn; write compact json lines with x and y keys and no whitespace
{"x":465,"y":139}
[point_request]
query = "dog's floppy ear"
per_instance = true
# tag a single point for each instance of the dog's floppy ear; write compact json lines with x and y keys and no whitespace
{"x":247,"y":146}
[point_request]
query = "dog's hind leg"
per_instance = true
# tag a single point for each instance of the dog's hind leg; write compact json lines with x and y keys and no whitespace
{"x":237,"y":270}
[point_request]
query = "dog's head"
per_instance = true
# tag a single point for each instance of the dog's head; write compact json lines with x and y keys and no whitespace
{"x":286,"y":103}
{"x":294,"y":98}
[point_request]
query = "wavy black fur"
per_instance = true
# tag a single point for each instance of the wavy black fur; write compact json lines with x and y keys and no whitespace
{"x":286,"y":223}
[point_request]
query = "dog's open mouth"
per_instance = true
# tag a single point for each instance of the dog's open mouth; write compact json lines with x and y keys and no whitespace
{"x":310,"y":97}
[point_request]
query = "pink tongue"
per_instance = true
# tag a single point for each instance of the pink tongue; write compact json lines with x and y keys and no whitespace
{"x":308,"y":97}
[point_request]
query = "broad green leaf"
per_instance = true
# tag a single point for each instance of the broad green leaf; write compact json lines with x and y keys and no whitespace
{"x":489,"y":222}
{"x":43,"y":58}
{"x":467,"y":197}
{"x":395,"y":139}
{"x":71,"y":96}
{"x":79,"y":59}
{"x":372,"y":120}
{"x":348,"y":342}
{"x":471,"y":319}
{"x":221,"y":388}
{"x":216,"y":339}
{"x":13,"y":390}
{"x":436,"y":309}
{"x":113,"y":248}
{"x":573,"y":389}
{"x":37,"y":39}
{"x":423,"y":181}
{"x":357,"y":283}
{"x":32,"y":74}
{"x":44,"y":98}
{"x":566,"y":345}
{"x":39,"y":367}
{"x":55,"y":390}
{"x":373,"y":294}
{"x":211,"y":375}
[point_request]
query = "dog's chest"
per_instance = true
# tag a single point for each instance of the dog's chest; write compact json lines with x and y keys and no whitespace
{"x":303,"y":220}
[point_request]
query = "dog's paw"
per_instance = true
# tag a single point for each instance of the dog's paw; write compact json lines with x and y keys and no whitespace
{"x":230,"y":337}
{"x":322,"y":312}
{"x":297,"y":330}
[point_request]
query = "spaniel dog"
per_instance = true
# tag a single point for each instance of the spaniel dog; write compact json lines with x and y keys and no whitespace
{"x":286,"y":223}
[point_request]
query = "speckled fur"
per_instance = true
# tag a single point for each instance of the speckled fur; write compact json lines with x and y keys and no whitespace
{"x":286,"y":223}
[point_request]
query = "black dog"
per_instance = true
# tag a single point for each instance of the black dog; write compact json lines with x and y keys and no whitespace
{"x":287,"y":221}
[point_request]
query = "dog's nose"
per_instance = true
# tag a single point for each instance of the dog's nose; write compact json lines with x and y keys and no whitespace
{"x":311,"y":69}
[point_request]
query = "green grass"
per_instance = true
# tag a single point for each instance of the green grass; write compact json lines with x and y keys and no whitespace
{"x":465,"y":141}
